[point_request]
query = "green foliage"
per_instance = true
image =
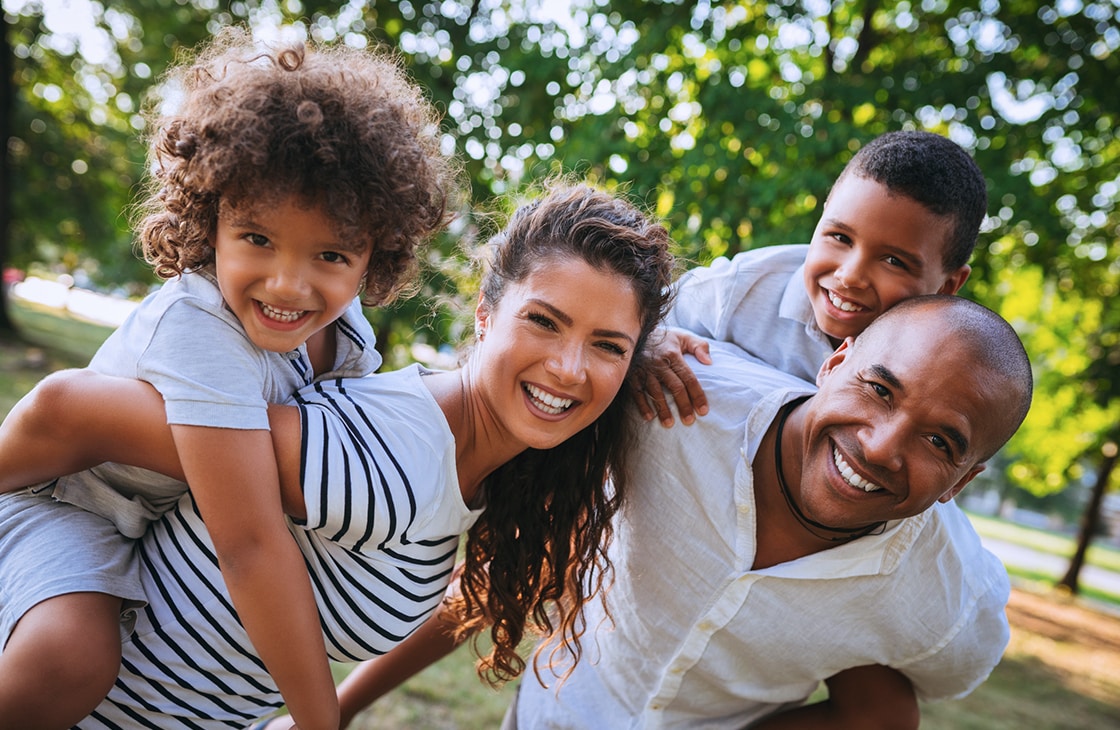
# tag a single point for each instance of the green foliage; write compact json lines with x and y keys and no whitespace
{"x":729,"y":119}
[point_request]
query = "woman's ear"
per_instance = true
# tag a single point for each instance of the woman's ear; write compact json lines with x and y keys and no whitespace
{"x":481,"y":317}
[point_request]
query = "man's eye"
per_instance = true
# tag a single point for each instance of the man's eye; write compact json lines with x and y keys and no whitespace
{"x":880,"y":390}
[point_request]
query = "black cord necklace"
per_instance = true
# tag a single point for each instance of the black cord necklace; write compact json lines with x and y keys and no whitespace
{"x":847,"y":534}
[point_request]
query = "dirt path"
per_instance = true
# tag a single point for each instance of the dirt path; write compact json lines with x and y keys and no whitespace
{"x":1078,"y":642}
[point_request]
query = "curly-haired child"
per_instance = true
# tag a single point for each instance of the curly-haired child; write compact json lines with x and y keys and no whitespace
{"x":288,"y":187}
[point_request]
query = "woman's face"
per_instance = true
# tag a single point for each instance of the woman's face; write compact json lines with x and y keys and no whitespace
{"x":555,"y":350}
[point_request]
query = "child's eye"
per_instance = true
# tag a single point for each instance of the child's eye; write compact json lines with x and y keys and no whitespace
{"x":842,"y":238}
{"x":257,"y":239}
{"x":896,"y":261}
{"x":334,"y":257}
{"x":940,"y":443}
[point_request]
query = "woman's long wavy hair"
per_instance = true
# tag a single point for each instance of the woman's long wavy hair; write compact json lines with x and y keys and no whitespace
{"x":538,"y":551}
{"x":340,"y":128}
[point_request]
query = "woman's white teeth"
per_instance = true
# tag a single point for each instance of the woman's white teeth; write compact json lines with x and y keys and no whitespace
{"x":282,"y":315}
{"x":850,"y":476}
{"x":843,"y":305}
{"x":546,"y":401}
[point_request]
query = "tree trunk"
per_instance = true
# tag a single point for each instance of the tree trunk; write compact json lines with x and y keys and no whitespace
{"x":7,"y":99}
{"x":1090,"y":520}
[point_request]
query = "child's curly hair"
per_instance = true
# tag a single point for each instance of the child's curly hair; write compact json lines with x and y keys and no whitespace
{"x":342,"y":128}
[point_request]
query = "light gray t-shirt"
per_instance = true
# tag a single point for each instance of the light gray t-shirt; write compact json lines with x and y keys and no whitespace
{"x":186,"y":342}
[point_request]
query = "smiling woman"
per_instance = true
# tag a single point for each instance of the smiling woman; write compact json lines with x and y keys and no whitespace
{"x":382,"y":474}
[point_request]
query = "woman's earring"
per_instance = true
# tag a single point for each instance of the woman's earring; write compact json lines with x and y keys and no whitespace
{"x":478,"y":331}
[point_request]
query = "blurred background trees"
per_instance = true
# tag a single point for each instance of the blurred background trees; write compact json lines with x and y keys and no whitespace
{"x":728,"y":119}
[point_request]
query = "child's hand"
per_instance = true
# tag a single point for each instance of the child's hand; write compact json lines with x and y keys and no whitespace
{"x":667,"y":370}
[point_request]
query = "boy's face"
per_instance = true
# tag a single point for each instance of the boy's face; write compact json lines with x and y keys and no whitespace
{"x":283,"y":270}
{"x":872,"y":249}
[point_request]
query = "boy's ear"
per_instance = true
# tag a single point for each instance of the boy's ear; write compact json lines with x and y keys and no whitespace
{"x":954,"y":281}
{"x":839,"y":355}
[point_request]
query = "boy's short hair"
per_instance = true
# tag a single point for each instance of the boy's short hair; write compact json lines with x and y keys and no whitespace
{"x":934,"y":171}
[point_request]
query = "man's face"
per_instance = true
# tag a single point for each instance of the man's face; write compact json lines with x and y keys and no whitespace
{"x":901,"y":421}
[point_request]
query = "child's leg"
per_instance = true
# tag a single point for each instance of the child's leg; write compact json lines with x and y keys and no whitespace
{"x":60,"y":661}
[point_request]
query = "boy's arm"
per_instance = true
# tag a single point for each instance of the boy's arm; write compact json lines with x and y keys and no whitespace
{"x":234,"y":479}
{"x":665,"y":369}
{"x":872,"y":697}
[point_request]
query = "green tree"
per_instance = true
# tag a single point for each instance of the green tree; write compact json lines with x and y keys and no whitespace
{"x":730,"y":119}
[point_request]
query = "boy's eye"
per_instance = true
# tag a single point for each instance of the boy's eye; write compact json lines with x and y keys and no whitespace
{"x":842,"y":238}
{"x":257,"y":239}
{"x":896,"y":261}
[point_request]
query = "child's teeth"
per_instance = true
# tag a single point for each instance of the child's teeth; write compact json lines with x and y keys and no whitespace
{"x":842,"y":305}
{"x":281,"y":315}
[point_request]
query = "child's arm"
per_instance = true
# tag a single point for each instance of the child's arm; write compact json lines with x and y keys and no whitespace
{"x":375,"y":678}
{"x":873,"y":697}
{"x":666,"y":369}
{"x":234,"y":479}
{"x":235,"y":482}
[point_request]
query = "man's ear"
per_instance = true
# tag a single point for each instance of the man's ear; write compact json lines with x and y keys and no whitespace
{"x":838,"y":356}
{"x":956,"y":488}
{"x":954,"y":281}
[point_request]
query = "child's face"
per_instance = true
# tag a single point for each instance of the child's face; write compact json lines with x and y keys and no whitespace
{"x":283,"y":270}
{"x":871,"y":250}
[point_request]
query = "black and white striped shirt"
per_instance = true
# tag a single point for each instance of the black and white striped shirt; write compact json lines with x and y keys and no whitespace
{"x":384,"y":516}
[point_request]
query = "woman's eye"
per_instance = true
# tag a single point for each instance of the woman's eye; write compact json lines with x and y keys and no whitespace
{"x":543,"y":321}
{"x":612,"y":348}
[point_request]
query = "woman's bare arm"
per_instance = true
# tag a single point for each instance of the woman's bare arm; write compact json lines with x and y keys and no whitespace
{"x":75,"y":419}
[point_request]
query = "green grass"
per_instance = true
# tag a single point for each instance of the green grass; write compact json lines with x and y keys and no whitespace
{"x":1102,"y":556}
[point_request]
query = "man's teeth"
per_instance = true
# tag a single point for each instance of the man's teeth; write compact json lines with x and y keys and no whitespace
{"x":282,"y":315}
{"x":842,"y":304}
{"x":850,"y":476}
{"x":546,"y":401}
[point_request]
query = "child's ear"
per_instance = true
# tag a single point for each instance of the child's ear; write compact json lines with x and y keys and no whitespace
{"x":954,"y":281}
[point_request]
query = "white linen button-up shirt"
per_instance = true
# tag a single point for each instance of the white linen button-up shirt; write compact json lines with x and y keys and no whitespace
{"x":700,"y":640}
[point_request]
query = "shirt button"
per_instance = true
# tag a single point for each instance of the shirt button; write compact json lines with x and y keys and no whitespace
{"x":705,"y":625}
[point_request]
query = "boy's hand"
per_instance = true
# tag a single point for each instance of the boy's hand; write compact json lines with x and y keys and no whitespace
{"x":667,"y":370}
